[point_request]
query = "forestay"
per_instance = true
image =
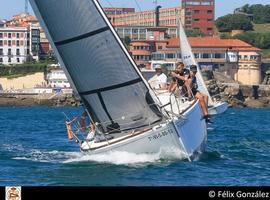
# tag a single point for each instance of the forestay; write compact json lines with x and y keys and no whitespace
{"x":98,"y":65}
{"x":188,"y":59}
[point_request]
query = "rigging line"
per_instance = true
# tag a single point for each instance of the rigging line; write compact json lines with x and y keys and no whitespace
{"x":138,"y":5}
{"x":109,"y":3}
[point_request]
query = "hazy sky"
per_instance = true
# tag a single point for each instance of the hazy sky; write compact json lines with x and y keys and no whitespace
{"x":9,"y":8}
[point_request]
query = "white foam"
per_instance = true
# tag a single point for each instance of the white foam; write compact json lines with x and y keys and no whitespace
{"x":112,"y":157}
{"x":126,"y":158}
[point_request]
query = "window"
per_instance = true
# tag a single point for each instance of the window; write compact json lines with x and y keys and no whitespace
{"x":219,"y":55}
{"x":9,"y":60}
{"x":13,"y":35}
{"x":1,"y":60}
{"x":17,"y":43}
{"x":9,"y":52}
{"x":1,"y":52}
{"x":159,"y":47}
{"x":18,"y":60}
{"x":206,"y":55}
{"x":196,"y":20}
{"x":17,"y":52}
{"x":196,"y":55}
{"x":209,"y":11}
{"x":253,"y":57}
{"x":18,"y":35}
{"x":1,"y":42}
{"x":1,"y":35}
{"x":9,"y":35}
{"x":209,"y":20}
{"x":209,"y":29}
{"x":9,"y":43}
{"x":196,"y":11}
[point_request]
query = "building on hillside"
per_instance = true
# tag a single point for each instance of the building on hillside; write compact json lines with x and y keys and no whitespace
{"x":56,"y":78}
{"x":235,"y":58}
{"x":146,"y":33}
{"x":14,"y":45}
{"x":2,"y":23}
{"x":22,"y":20}
{"x":34,"y":41}
{"x":31,"y":23}
{"x":199,"y":14}
{"x":155,"y":17}
{"x":195,"y":14}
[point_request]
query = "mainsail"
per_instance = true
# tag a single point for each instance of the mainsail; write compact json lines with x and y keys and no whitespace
{"x":188,"y":59}
{"x":97,"y":64}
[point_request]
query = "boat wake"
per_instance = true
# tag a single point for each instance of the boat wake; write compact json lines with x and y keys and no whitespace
{"x":112,"y":157}
{"x":126,"y":158}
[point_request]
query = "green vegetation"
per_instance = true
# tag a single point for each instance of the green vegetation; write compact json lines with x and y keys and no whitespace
{"x":266,"y":53}
{"x":260,"y":40}
{"x":233,"y":22}
{"x":261,"y":28}
{"x":194,"y":33}
{"x":15,"y":71}
{"x":257,"y":34}
{"x":261,"y":13}
{"x":127,"y":41}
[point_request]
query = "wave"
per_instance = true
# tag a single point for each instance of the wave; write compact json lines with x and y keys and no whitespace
{"x":112,"y":157}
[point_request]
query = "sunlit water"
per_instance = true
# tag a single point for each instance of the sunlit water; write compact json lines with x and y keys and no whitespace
{"x":35,"y":151}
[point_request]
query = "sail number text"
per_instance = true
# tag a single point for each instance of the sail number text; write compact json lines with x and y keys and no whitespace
{"x":160,"y":135}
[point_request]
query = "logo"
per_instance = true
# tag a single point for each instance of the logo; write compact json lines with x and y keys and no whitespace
{"x":13,"y":193}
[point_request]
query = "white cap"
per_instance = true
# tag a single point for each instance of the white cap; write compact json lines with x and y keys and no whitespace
{"x":158,"y":67}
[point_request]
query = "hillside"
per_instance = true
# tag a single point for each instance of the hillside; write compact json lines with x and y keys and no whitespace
{"x":261,"y":28}
{"x":257,"y":28}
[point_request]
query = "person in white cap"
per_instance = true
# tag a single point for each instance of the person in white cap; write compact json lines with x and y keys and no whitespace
{"x":159,"y":81}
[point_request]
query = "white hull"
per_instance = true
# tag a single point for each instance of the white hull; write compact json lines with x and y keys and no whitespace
{"x":186,"y":134}
{"x":218,"y":108}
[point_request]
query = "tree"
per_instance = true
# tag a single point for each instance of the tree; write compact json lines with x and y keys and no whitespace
{"x":233,"y":22}
{"x":261,"y":13}
{"x":259,"y":40}
{"x":127,"y":41}
{"x":194,"y":33}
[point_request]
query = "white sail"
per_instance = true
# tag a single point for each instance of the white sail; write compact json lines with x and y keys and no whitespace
{"x":188,"y":59}
{"x":97,"y":63}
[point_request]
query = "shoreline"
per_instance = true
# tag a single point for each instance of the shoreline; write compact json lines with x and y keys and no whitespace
{"x":72,"y":102}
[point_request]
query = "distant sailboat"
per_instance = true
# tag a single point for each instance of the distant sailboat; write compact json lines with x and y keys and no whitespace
{"x":214,"y":107}
{"x":122,"y":106}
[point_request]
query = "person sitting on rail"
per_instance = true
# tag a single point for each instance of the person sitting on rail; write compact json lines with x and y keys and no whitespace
{"x":180,"y":75}
{"x":203,"y":98}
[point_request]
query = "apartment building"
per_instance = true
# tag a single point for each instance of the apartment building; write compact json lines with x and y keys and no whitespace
{"x":195,"y":14}
{"x":14,"y":45}
{"x":199,"y":14}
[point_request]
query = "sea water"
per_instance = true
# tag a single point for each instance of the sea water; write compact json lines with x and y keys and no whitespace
{"x":35,"y":151}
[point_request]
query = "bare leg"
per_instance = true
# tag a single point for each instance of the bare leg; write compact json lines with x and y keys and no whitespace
{"x":205,"y":98}
{"x":188,"y":84}
{"x":199,"y":96}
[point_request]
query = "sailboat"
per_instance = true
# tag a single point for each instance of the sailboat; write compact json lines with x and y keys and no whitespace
{"x":214,"y":107}
{"x":123,"y":108}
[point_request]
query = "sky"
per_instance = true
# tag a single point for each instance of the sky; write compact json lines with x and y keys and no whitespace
{"x":9,"y":8}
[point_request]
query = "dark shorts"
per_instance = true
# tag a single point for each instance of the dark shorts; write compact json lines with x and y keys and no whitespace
{"x":194,"y":91}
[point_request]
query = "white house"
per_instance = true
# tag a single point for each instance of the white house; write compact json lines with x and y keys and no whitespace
{"x":57,"y":79}
{"x":13,"y":45}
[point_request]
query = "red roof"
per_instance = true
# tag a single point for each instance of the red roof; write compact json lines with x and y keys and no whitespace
{"x":214,"y":42}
